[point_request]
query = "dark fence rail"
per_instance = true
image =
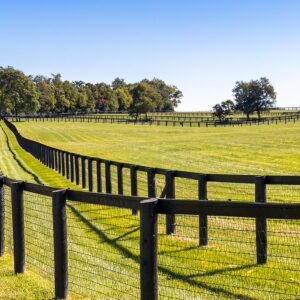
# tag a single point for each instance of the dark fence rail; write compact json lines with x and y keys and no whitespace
{"x":169,"y":119}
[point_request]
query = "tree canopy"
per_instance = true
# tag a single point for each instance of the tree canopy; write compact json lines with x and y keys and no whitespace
{"x":254,"y":96}
{"x":222,"y":110}
{"x":249,"y":97}
{"x":18,"y":93}
{"x":30,"y":94}
{"x":144,"y":99}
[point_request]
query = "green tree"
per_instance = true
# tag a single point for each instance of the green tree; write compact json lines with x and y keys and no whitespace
{"x":222,"y":110}
{"x":105,"y":98}
{"x":62,"y":103}
{"x":71,"y":95}
{"x":124,"y":98}
{"x":118,"y":83}
{"x":89,"y":91}
{"x":46,"y":93}
{"x":255,"y":95}
{"x":144,"y":99}
{"x":18,"y":92}
{"x":170,"y":95}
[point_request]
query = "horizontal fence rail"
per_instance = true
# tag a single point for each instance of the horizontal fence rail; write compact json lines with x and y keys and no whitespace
{"x":100,"y":250}
{"x":183,"y":120}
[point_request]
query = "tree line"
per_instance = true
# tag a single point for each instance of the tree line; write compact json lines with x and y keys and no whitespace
{"x":249,"y":97}
{"x":22,"y":94}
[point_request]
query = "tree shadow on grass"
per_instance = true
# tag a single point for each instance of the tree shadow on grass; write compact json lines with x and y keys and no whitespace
{"x":171,"y":274}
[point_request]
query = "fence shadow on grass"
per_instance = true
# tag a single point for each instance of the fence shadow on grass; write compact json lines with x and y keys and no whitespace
{"x":171,"y":274}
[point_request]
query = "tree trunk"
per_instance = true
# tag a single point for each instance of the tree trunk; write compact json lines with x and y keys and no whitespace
{"x":248,"y":116}
{"x":258,"y":114}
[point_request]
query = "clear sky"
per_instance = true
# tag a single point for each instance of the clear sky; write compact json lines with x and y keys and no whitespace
{"x":203,"y":47}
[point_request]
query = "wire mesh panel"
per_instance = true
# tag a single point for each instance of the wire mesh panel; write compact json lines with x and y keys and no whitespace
{"x":231,"y":191}
{"x":283,"y":193}
{"x":38,"y":229}
{"x":8,"y":237}
{"x":227,"y":267}
{"x":103,"y":246}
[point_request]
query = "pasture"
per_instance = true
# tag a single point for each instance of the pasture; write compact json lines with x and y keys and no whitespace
{"x":226,"y":267}
{"x":236,"y":150}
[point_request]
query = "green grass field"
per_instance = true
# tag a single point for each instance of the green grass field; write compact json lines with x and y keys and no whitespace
{"x":237,"y":150}
{"x":267,"y":150}
{"x":224,"y":269}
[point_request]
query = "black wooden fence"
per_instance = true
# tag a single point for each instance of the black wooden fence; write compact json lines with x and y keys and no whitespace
{"x":151,"y":266}
{"x":168,"y":120}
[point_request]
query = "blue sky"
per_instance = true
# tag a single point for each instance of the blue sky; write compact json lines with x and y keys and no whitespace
{"x":203,"y":47}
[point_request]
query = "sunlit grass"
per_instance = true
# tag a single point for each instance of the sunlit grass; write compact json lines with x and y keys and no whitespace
{"x":104,"y":241}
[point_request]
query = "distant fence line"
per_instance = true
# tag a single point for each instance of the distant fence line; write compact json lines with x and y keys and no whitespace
{"x":149,"y":209}
{"x":166,"y":120}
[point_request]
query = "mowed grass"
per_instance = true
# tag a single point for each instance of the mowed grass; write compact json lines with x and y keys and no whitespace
{"x":104,"y":241}
{"x":259,"y":150}
{"x":273,"y":149}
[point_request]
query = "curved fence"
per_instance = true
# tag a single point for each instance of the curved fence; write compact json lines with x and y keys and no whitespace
{"x":91,"y":246}
{"x":128,"y":246}
{"x":102,"y":175}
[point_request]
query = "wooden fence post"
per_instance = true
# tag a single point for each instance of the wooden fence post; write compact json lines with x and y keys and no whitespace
{"x":72,"y":167}
{"x":59,"y":161}
{"x":99,"y":177}
{"x":261,"y":223}
{"x":151,"y":182}
{"x":83,"y":172}
{"x":90,"y":174}
{"x":120,"y":178}
{"x":77,"y":169}
{"x":108,"y":177}
{"x":67,"y":165}
{"x":170,"y":194}
{"x":60,"y":243}
{"x":1,"y":216}
{"x":202,"y":196}
{"x":148,"y":249}
{"x":18,"y":226}
{"x":55,"y":160}
{"x":63,"y":165}
{"x":134,"y":184}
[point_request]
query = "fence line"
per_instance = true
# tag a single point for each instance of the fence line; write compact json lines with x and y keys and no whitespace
{"x":169,"y":120}
{"x":149,"y":254}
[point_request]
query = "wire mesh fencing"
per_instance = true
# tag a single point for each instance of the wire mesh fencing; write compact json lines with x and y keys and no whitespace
{"x":283,"y":193}
{"x":38,"y":233}
{"x":227,"y":267}
{"x":8,"y":232}
{"x":103,"y":250}
{"x":202,"y":257}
